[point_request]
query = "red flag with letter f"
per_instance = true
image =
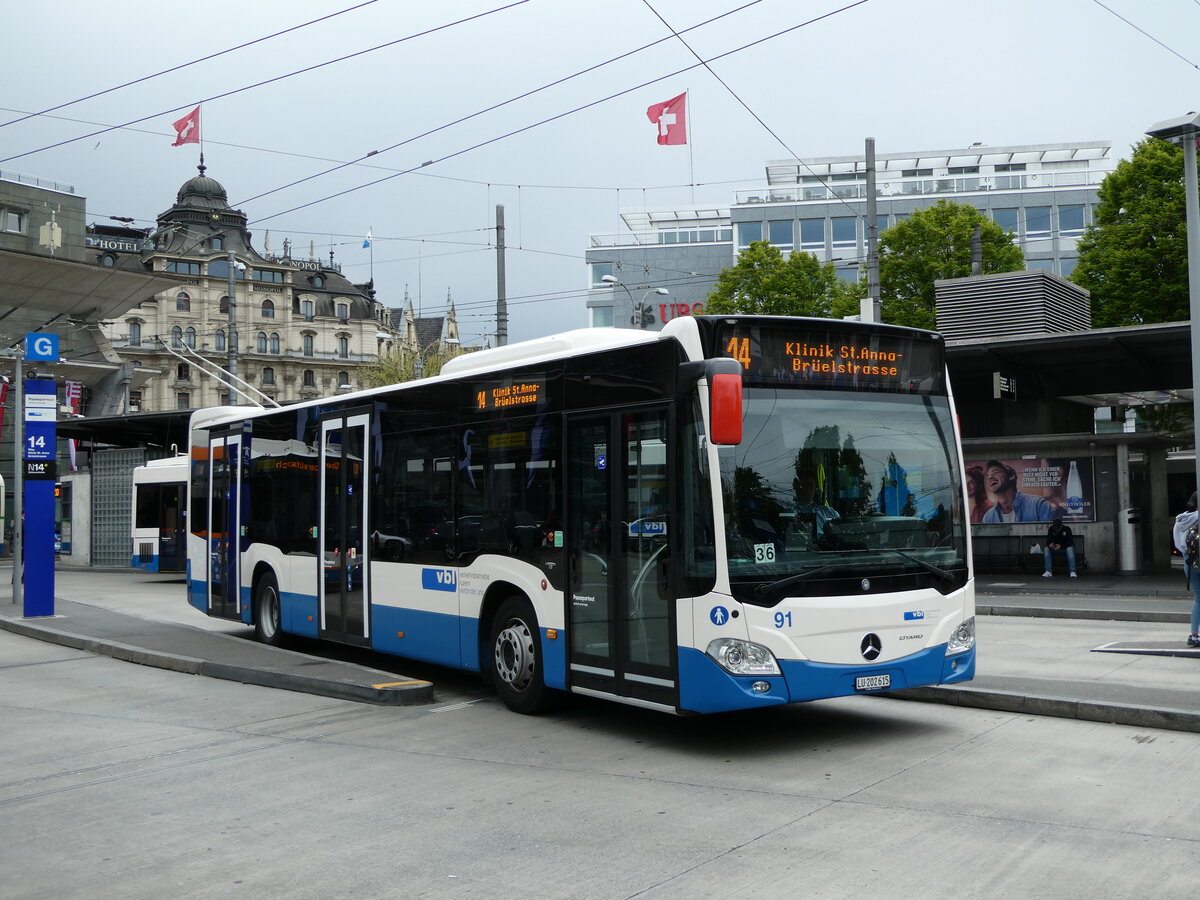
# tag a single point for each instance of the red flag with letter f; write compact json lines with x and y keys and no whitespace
{"x":187,"y":129}
{"x":671,"y":119}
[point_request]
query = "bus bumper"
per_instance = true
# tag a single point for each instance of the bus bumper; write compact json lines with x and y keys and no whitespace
{"x":705,"y":687}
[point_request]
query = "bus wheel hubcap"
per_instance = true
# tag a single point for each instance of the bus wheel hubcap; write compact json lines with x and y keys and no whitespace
{"x":514,"y":655}
{"x":268,"y":612}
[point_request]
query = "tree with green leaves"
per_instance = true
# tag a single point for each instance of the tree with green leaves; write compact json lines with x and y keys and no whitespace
{"x":762,"y":282}
{"x":1133,"y":258}
{"x":402,"y":365}
{"x":933,"y":244}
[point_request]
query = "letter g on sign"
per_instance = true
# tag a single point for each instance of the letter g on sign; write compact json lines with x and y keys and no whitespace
{"x":41,"y":347}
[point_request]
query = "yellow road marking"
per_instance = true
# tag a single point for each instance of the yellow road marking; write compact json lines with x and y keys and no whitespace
{"x":387,"y":684}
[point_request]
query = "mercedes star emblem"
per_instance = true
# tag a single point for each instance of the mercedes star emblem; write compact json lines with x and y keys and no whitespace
{"x":871,"y":647}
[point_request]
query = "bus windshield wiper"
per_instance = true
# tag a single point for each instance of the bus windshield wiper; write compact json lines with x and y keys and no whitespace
{"x":767,"y":586}
{"x":941,"y":573}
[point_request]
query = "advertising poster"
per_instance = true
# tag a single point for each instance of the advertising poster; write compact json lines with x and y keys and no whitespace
{"x":1031,"y":490}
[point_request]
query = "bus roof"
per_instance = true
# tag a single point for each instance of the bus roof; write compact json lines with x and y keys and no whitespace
{"x":169,"y":470}
{"x":567,"y":343}
{"x":210,"y":416}
{"x":180,"y":459}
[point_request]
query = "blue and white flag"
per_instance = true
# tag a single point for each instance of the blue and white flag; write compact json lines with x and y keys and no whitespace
{"x":367,"y":239}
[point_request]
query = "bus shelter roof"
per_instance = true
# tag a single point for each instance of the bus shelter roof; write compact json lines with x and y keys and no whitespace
{"x":38,"y":290}
{"x":153,"y":429}
{"x":1077,"y":364}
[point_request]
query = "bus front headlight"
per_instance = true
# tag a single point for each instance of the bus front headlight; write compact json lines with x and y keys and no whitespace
{"x":963,"y":638}
{"x":743,"y":657}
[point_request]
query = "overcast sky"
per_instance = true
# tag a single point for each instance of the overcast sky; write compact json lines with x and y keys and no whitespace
{"x":913,"y":74}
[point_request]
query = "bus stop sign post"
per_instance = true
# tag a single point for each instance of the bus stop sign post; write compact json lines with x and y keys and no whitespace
{"x":18,"y":516}
{"x":38,"y":475}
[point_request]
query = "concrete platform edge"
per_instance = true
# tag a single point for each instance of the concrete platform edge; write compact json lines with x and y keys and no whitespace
{"x":392,"y":696}
{"x":1060,"y":707}
{"x":1048,"y":612}
{"x":125,"y":652}
{"x":409,"y":694}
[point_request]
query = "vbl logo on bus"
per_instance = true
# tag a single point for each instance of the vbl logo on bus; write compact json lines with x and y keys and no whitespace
{"x":439,"y":579}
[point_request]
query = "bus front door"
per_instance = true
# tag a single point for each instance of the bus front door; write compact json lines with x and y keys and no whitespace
{"x":344,"y":588}
{"x":621,"y":619}
{"x":224,"y":524}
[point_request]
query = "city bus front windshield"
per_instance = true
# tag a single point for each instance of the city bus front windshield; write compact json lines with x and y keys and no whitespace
{"x":827,"y":489}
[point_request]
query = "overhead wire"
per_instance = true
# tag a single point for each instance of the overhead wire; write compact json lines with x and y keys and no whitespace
{"x":461,"y":304}
{"x":495,"y":106}
{"x":1147,"y":34}
{"x":267,"y":81}
{"x":746,"y":106}
{"x":367,"y":165}
{"x":185,"y":65}
{"x":557,"y":116}
{"x":676,"y":34}
{"x":352,"y":239}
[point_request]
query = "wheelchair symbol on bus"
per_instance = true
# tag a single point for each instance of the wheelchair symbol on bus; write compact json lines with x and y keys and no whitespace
{"x":719,"y":615}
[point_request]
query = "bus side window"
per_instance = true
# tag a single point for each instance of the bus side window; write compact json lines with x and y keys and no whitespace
{"x":507,"y":488}
{"x":411,"y":514}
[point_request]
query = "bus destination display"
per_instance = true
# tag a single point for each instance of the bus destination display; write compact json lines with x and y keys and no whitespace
{"x":873,"y":361}
{"x":508,"y":396}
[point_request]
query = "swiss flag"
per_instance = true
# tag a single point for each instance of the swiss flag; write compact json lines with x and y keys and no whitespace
{"x":671,"y":119}
{"x":187,"y":129}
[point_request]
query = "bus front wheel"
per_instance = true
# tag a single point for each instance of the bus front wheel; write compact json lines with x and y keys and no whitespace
{"x":515,"y":663}
{"x":266,"y":612}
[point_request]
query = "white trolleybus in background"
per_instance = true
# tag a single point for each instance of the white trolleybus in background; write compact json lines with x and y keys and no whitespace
{"x":159,"y":497}
{"x":732,"y":513}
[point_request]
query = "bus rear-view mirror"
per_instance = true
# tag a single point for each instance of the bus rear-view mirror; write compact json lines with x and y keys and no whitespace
{"x":724,"y":396}
{"x":725,"y":408}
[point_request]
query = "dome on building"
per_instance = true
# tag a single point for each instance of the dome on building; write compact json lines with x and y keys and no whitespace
{"x":202,"y":191}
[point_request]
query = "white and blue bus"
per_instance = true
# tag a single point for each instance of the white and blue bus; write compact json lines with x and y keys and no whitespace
{"x":159,"y":499}
{"x":732,"y":513}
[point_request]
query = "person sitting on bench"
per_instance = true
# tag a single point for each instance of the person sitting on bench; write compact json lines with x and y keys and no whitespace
{"x":1059,"y":540}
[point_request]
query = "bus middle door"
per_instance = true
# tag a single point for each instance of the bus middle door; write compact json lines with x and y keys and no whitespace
{"x":344,"y":589}
{"x":620,"y":618}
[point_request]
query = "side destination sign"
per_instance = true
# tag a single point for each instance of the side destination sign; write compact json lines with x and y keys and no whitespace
{"x":859,"y":358}
{"x":518,"y":393}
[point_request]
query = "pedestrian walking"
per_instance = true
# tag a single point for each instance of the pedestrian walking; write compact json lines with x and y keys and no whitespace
{"x":1187,"y":542}
{"x":1059,"y":539}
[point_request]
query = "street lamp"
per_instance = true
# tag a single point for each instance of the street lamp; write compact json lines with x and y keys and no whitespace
{"x":419,"y":363}
{"x":642,"y":315}
{"x":638,"y":318}
{"x":1184,"y":131}
{"x":612,"y":279}
{"x":232,"y":346}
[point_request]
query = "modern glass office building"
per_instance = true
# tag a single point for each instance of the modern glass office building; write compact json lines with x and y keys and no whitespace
{"x":1043,"y":193}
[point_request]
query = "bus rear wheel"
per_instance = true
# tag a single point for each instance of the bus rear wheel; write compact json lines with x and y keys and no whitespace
{"x":266,"y":612}
{"x":515,"y":662}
